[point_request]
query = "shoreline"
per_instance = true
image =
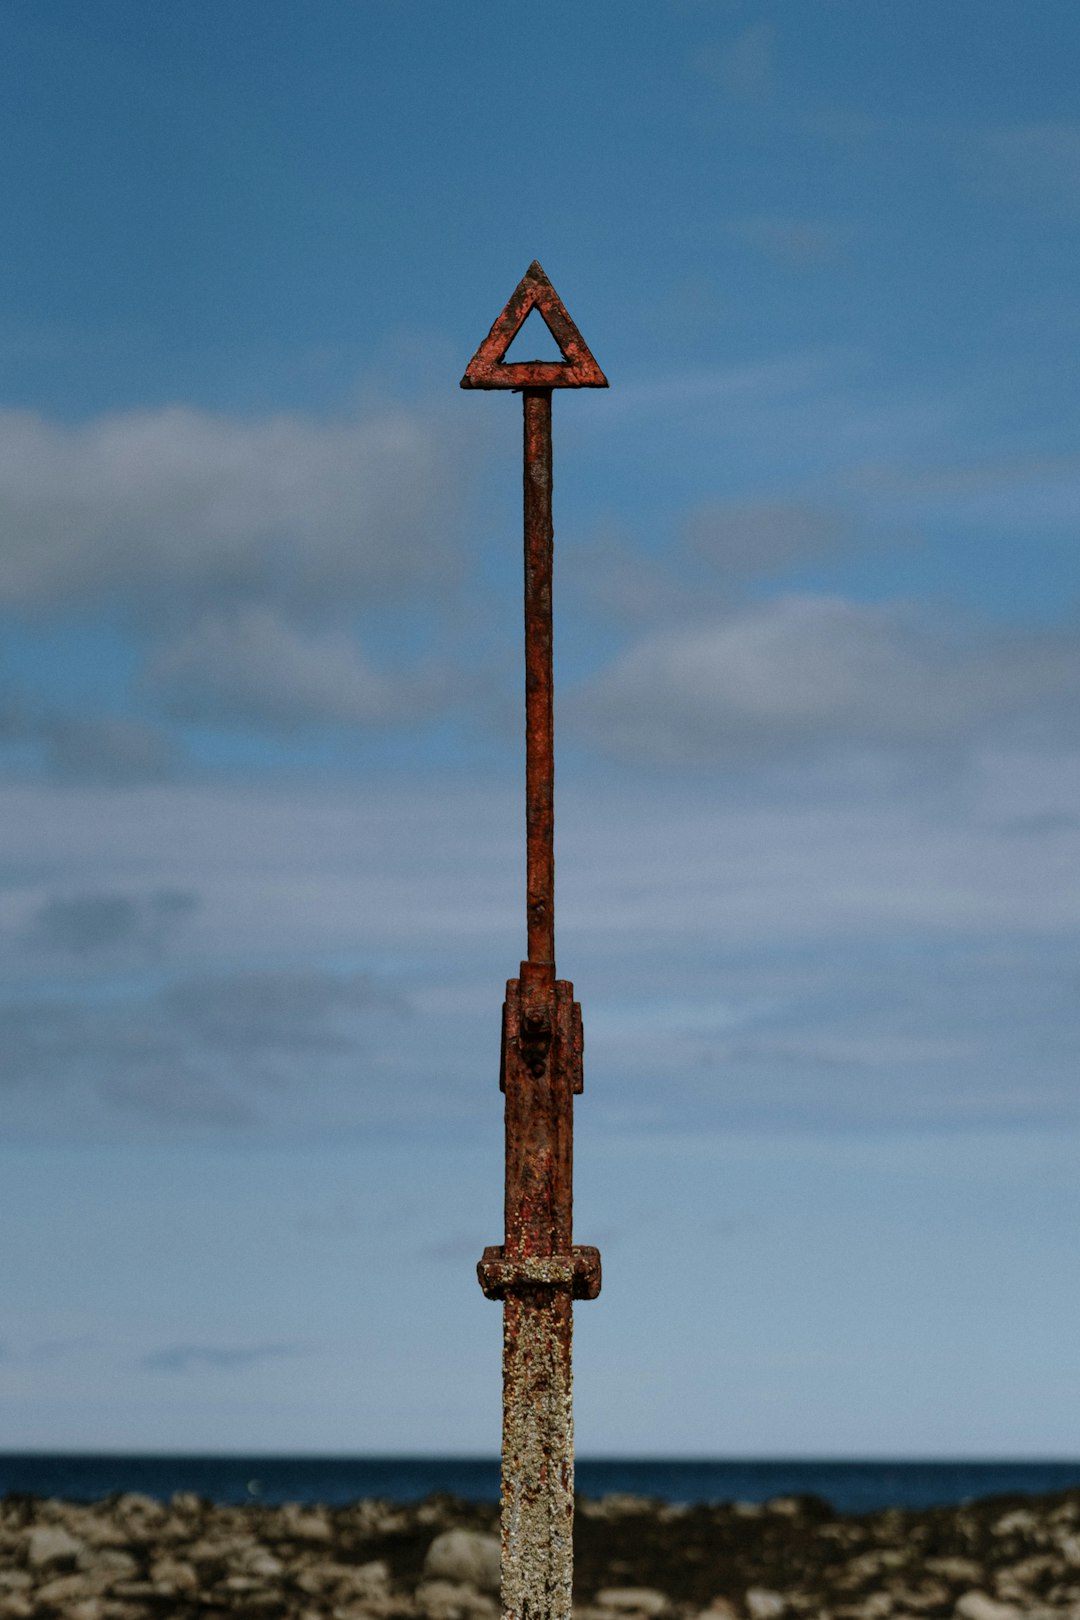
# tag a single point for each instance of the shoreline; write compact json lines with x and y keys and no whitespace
{"x":131,"y":1557}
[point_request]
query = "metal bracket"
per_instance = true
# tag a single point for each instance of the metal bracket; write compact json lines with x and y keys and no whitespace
{"x":579,"y":1271}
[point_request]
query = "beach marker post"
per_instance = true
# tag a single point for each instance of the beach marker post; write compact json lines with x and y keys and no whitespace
{"x":538,"y":1271}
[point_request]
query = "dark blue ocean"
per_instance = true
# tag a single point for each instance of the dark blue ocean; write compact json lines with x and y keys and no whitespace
{"x":851,"y":1487}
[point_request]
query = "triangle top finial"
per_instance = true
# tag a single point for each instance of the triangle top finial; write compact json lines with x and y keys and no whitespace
{"x":577,"y":369}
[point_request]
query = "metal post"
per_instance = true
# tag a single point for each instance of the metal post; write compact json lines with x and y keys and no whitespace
{"x":539,"y":718}
{"x":537,"y":1271}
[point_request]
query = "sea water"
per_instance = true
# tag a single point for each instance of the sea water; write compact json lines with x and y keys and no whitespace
{"x":855,"y":1486}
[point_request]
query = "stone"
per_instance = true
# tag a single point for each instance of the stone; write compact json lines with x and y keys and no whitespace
{"x":961,"y":1571}
{"x":91,"y":1608}
{"x":468,"y":1556}
{"x":369,"y":1580}
{"x":976,"y":1605}
{"x":1020,"y":1522}
{"x":454,"y":1600}
{"x":870,"y":1566}
{"x":51,"y":1544}
{"x":298,"y":1525}
{"x":629,"y":1600}
{"x":764,"y":1604}
{"x":174,"y":1575}
{"x":64,"y":1589}
{"x":261,"y":1561}
{"x":111,"y":1563}
{"x":135,"y":1502}
{"x":876,"y":1605}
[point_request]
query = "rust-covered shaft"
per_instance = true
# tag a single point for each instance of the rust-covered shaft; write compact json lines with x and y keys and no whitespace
{"x":537,"y":1506}
{"x":539,"y":733}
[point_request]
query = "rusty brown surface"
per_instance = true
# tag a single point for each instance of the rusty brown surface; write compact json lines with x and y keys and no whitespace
{"x":577,"y":369}
{"x":537,"y":1271}
{"x":539,"y":719}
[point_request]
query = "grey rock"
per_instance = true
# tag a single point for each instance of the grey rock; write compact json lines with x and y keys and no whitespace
{"x":298,"y":1525}
{"x":173,"y":1575}
{"x":1020,"y":1522}
{"x":468,"y":1556}
{"x":631,"y":1600}
{"x":111,"y":1563}
{"x":49,"y":1545}
{"x":961,"y":1571}
{"x":63,"y":1590}
{"x":454,"y":1600}
{"x":976,"y":1605}
{"x":764,"y":1604}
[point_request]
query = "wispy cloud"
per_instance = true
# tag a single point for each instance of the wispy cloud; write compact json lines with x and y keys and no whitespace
{"x":201,"y":1052}
{"x":182,"y":1358}
{"x":86,"y":925}
{"x":252,"y":667}
{"x":173,"y":508}
{"x":806,"y":672}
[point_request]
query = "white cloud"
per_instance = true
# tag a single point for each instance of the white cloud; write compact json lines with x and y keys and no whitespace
{"x":168,"y":506}
{"x":803,"y":671}
{"x":251,"y":666}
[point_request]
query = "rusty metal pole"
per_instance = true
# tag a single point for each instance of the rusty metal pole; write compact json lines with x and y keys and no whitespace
{"x":539,"y":716}
{"x":537,"y":1271}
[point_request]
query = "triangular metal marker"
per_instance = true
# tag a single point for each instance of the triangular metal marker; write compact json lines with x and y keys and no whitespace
{"x":577,"y":368}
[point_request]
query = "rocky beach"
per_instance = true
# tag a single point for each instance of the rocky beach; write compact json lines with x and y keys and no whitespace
{"x":132,"y":1558}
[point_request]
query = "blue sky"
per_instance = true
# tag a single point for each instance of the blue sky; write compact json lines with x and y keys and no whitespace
{"x":818,"y":663}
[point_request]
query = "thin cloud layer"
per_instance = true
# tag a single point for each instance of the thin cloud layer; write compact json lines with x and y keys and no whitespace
{"x":182,"y":1358}
{"x":252,"y":667}
{"x":847,"y":958}
{"x":85,"y":925}
{"x":206,"y":1051}
{"x":177,"y":506}
{"x":804,"y":672}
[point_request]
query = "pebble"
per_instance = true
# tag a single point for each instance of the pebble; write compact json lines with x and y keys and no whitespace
{"x":465,"y":1555}
{"x":631,"y":1600}
{"x":764,"y":1604}
{"x":976,"y":1605}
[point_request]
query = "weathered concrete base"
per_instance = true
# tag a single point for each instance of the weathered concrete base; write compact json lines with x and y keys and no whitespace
{"x":537,"y":1455}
